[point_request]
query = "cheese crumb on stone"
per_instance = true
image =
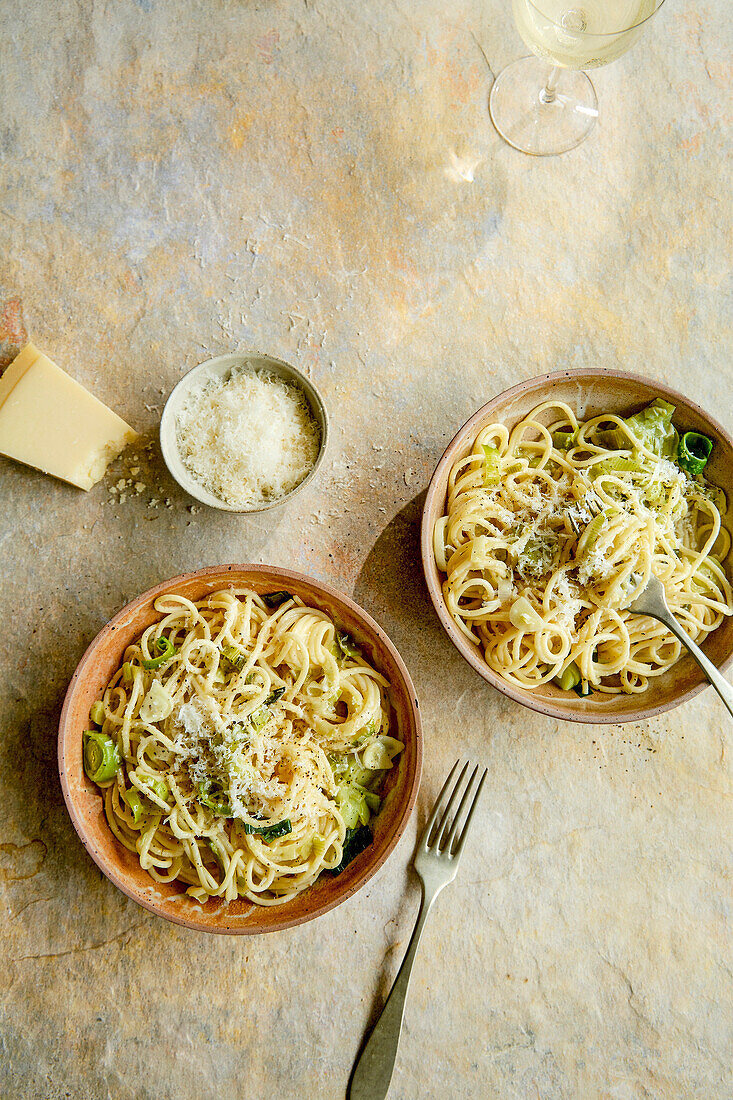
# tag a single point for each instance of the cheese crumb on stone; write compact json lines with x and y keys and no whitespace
{"x":249,"y":439}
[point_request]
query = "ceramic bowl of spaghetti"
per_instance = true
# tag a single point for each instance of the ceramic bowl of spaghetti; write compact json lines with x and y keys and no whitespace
{"x":240,"y":749}
{"x":547,"y":514}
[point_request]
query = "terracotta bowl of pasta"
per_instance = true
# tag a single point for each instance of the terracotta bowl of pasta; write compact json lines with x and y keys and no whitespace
{"x":547,"y":514}
{"x":240,"y":749}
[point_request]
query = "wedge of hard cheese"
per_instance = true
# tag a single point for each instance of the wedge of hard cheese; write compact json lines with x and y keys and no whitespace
{"x":49,"y":421}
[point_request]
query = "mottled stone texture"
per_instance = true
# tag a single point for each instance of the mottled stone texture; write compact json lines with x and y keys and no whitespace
{"x":182,"y":178}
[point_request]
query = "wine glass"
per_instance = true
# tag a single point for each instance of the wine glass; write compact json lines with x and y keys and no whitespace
{"x":545,"y":114}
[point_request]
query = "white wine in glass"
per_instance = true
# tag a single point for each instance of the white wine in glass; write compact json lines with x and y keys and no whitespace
{"x":545,"y":112}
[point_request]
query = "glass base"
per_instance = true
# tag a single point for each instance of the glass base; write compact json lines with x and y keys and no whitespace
{"x":537,"y":124}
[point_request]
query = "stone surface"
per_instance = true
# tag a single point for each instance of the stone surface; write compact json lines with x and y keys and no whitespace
{"x":321,"y":180}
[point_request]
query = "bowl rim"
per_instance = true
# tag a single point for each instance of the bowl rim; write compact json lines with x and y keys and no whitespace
{"x":436,"y":488}
{"x":220,"y":364}
{"x":278,"y":921}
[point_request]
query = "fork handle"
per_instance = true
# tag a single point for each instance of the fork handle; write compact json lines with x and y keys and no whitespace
{"x":373,"y":1071}
{"x":721,"y":685}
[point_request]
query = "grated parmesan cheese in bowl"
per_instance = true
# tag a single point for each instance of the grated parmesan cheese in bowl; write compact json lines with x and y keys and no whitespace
{"x":243,"y":433}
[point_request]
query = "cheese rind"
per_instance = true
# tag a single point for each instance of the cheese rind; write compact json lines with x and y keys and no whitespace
{"x":49,"y":421}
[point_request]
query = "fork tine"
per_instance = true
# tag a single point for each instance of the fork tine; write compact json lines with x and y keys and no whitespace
{"x":440,"y":828}
{"x":457,"y":817}
{"x":458,"y":842}
{"x":436,"y":808}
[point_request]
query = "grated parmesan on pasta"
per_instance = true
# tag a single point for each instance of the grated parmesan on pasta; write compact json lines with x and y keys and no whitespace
{"x":249,"y":439}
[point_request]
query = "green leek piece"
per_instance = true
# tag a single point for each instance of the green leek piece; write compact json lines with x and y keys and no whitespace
{"x":569,"y":677}
{"x":269,"y":832}
{"x":592,"y":533}
{"x":318,"y":845}
{"x":157,"y":704}
{"x":693,"y":452}
{"x":392,"y":745}
{"x":165,"y":649}
{"x":349,"y":769}
{"x":618,"y":464}
{"x":539,"y":554}
{"x":135,"y":802}
{"x":716,"y":495}
{"x":608,"y":438}
{"x":355,"y":842}
{"x":159,"y":787}
{"x":356,"y":802}
{"x":216,"y":853}
{"x":373,"y":728}
{"x":563,"y":441}
{"x":274,"y":599}
{"x":101,"y":756}
{"x":347,"y":646}
{"x":351,"y":804}
{"x":96,"y":713}
{"x":491,"y":466}
{"x":127,"y":674}
{"x":523,"y":615}
{"x":260,"y":717}
{"x":212,"y":796}
{"x":376,"y":757}
{"x":238,"y":732}
{"x":232,"y":659}
{"x":373,"y":801}
{"x":535,"y":551}
{"x":653,"y":428}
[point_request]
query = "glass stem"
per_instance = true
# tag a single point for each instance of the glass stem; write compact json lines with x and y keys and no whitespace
{"x":549,"y":92}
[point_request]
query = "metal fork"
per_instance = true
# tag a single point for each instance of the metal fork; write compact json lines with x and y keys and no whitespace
{"x":436,"y":862}
{"x":652,"y":601}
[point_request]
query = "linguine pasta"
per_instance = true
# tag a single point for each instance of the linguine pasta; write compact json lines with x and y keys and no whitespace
{"x":553,"y":527}
{"x":246,"y":754}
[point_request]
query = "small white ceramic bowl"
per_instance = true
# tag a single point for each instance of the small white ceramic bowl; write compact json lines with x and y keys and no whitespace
{"x":221,"y":367}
